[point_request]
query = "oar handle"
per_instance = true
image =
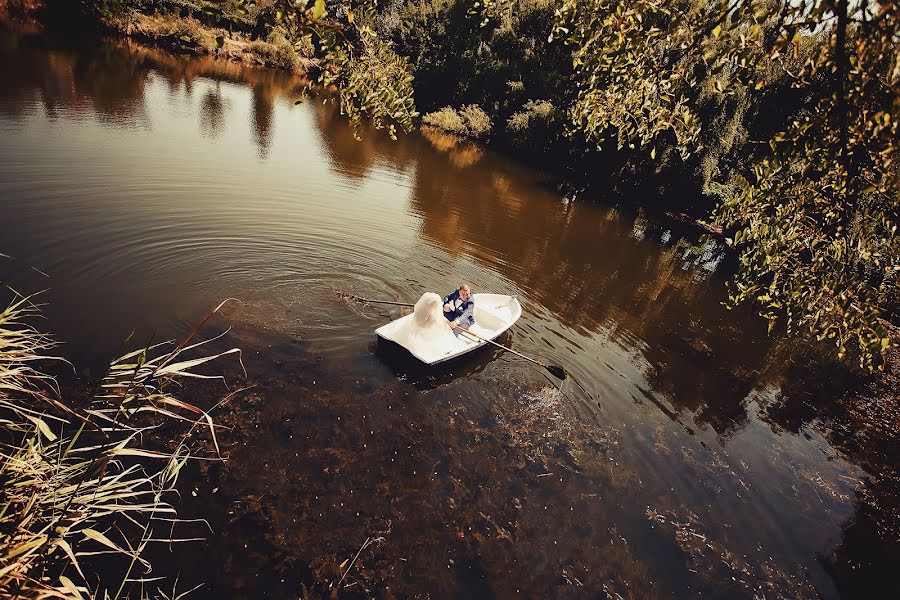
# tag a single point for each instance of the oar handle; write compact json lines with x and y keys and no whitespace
{"x":371,"y":301}
{"x":507,"y":348}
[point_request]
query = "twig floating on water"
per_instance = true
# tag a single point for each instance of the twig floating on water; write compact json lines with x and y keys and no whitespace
{"x":361,"y":548}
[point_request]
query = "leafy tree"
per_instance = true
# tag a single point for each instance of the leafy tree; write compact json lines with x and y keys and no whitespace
{"x":814,"y":216}
{"x":373,"y":82}
{"x":461,"y":58}
{"x":635,"y":81}
{"x":816,"y":219}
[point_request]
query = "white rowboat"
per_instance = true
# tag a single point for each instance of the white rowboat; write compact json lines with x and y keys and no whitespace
{"x":494,"y":314}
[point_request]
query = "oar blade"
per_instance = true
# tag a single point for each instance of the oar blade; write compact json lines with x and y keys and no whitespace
{"x":557,"y":372}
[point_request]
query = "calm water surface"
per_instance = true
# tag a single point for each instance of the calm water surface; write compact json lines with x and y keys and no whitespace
{"x":671,"y":463}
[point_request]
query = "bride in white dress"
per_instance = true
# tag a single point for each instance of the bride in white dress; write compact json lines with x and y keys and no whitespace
{"x":428,"y":333}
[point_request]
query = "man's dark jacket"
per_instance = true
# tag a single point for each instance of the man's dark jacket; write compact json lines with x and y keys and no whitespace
{"x":464,"y":310}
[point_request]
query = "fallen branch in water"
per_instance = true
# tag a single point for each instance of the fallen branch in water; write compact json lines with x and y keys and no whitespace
{"x":366,"y":544}
{"x":348,"y":297}
{"x":685,"y":218}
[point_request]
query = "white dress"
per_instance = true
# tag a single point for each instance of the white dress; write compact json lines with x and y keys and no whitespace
{"x":428,"y":333}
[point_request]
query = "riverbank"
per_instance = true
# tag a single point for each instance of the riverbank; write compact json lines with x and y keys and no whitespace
{"x":183,"y":35}
{"x":189,"y":36}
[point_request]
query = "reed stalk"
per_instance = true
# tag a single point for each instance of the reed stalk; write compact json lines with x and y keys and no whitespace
{"x":79,"y":483}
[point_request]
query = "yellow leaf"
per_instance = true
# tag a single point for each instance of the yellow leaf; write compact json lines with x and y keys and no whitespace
{"x":95,"y":535}
{"x":319,"y":9}
{"x":68,"y":550}
{"x":139,"y":452}
{"x":42,"y":425}
{"x":69,"y":586}
{"x":26,"y":548}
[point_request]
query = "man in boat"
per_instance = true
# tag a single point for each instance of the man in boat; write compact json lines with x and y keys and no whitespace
{"x":459,"y":308}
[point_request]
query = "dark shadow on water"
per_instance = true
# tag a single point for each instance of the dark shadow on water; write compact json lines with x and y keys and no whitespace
{"x":428,"y":377}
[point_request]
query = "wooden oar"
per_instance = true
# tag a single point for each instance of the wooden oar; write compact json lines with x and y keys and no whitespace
{"x":557,"y":372}
{"x":370,"y":301}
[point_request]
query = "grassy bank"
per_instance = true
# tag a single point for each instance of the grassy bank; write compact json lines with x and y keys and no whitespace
{"x":189,"y":36}
{"x":170,"y":26}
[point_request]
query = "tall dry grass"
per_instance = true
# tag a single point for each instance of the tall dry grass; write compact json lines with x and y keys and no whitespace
{"x":80,"y":485}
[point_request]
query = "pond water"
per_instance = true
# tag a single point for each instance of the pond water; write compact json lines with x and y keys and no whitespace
{"x":673,"y":461}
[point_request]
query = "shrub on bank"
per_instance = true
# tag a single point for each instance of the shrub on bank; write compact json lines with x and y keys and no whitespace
{"x":447,"y":119}
{"x":192,"y":34}
{"x":469,"y":121}
{"x":186,"y":35}
{"x":279,"y":55}
{"x":535,"y":126}
{"x":533,"y":113}
{"x":278,"y":51}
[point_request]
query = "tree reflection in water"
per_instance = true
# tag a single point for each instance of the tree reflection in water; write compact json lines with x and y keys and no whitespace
{"x":263,"y":115}
{"x":212,"y":116}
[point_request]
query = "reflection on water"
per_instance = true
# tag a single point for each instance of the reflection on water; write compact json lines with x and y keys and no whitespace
{"x":149,"y":188}
{"x":212,"y":112}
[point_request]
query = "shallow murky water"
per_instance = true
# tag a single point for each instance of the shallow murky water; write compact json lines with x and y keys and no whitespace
{"x":674,"y":460}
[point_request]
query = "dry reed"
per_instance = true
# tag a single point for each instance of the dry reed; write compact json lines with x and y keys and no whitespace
{"x":78,"y":485}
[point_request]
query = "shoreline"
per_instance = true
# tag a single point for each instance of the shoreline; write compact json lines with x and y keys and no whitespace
{"x":601,"y":178}
{"x":173,"y":34}
{"x":168,"y":34}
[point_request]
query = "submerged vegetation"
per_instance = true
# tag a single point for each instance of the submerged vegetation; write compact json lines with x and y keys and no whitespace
{"x":85,"y":486}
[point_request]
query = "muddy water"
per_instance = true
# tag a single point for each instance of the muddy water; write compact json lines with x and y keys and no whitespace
{"x":683,"y":456}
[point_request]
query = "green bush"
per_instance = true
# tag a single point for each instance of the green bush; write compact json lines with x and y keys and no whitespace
{"x":534,"y":127}
{"x":534,"y":112}
{"x":469,"y":121}
{"x":278,"y":51}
